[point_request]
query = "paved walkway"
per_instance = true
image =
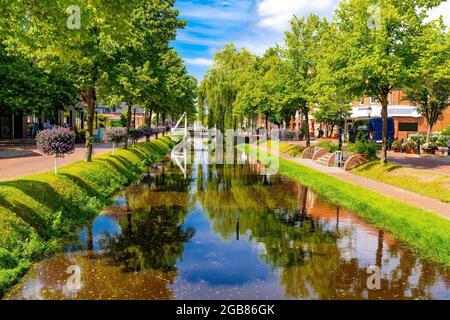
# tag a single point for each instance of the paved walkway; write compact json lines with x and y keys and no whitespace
{"x":415,"y":199}
{"x":422,"y":162}
{"x":29,"y":160}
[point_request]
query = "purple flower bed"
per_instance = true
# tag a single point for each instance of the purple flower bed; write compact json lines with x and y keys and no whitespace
{"x":56,"y":141}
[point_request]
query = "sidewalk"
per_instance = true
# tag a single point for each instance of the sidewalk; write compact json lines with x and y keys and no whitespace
{"x":415,"y":199}
{"x":29,"y":160}
{"x":421,"y":162}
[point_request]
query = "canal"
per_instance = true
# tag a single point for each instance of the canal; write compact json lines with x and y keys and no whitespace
{"x":227,"y":232}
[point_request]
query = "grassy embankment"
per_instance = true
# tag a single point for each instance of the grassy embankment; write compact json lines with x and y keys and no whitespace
{"x":424,"y":182}
{"x":38,"y":211}
{"x":292,"y":150}
{"x":424,"y":232}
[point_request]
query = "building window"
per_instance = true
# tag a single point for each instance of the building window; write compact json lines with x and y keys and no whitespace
{"x":373,"y":99}
{"x":408,"y":126}
{"x":362,"y":100}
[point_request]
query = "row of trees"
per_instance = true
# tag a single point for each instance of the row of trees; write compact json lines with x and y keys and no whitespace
{"x":25,"y":87}
{"x":369,"y":48}
{"x":112,"y":52}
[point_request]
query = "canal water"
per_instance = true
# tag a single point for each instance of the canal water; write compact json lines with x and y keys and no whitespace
{"x":227,"y":232}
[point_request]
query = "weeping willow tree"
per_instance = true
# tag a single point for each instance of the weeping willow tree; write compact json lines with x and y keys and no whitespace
{"x":218,"y":91}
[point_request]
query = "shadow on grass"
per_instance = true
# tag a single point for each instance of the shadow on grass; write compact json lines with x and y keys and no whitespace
{"x":83,"y":185}
{"x":112,"y":164}
{"x":39,"y":192}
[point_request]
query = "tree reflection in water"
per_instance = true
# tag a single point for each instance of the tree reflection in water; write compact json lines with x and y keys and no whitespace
{"x":305,"y":247}
{"x":313,"y":255}
{"x":152,"y":234}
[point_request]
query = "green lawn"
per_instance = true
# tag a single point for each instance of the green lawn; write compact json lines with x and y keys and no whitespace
{"x":287,"y":148}
{"x":424,"y":232}
{"x":36,"y":212}
{"x":420,"y":181}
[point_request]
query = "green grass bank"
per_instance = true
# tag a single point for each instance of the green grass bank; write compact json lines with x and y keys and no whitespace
{"x":38,"y":211}
{"x":424,"y":182}
{"x":424,"y":232}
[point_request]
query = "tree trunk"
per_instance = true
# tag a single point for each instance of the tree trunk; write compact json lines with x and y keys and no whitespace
{"x":429,"y":130}
{"x":307,"y":133}
{"x":128,"y":126}
{"x":157,"y":123}
{"x":149,"y":120}
{"x":340,"y":137}
{"x":89,"y":96}
{"x":163,"y":115}
{"x":384,"y":115}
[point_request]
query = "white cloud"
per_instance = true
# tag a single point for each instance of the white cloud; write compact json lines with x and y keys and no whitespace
{"x":275,"y":14}
{"x":441,"y":10}
{"x":216,"y":13}
{"x":199,"y":62}
{"x":259,"y":44}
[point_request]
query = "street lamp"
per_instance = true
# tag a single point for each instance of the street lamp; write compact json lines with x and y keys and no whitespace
{"x":369,"y":112}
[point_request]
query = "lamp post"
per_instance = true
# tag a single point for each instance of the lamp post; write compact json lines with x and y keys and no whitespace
{"x":369,"y":112}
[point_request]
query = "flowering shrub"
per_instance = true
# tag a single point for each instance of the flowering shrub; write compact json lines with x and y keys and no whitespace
{"x":57,"y":141}
{"x":417,"y":138}
{"x":147,"y":131}
{"x":429,"y":147}
{"x":443,"y":138}
{"x":161,"y":129}
{"x":397,"y":145}
{"x":115,"y":135}
{"x":409,"y":145}
{"x":135,"y":135}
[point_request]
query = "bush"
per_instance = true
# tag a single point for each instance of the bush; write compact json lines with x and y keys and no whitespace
{"x":148,"y":132}
{"x":409,"y":145}
{"x":288,"y":135}
{"x":329,"y":145}
{"x":80,"y":136}
{"x":115,"y":135}
{"x":432,"y":146}
{"x":56,"y":204}
{"x":369,"y":149}
{"x":417,"y":138}
{"x":135,"y":135}
{"x":442,"y":139}
{"x":56,"y":141}
{"x":397,"y":145}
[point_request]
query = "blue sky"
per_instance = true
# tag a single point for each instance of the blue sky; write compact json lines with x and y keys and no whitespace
{"x":254,"y":24}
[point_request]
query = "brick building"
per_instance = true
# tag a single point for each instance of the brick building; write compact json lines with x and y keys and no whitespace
{"x":406,"y":118}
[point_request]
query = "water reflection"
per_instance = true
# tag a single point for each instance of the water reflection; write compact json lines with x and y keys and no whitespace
{"x":226,"y":232}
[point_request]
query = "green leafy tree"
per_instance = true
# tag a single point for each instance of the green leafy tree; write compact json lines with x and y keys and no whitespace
{"x":26,"y":88}
{"x":83,"y":38}
{"x":376,"y":47}
{"x":431,"y":86}
{"x":302,"y":42}
{"x":232,"y":68}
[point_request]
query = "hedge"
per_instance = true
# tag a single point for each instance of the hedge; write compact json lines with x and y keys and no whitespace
{"x":37,"y":212}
